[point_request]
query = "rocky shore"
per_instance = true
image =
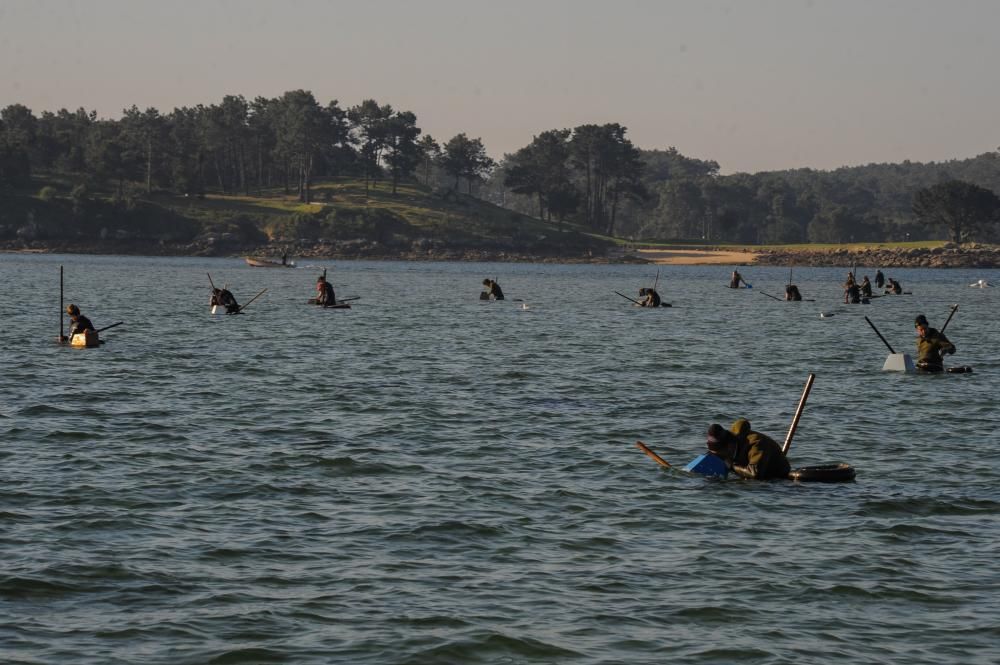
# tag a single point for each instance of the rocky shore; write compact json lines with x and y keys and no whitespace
{"x":951,"y":255}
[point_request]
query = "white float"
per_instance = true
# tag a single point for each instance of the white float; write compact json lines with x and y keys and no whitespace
{"x":899,"y":362}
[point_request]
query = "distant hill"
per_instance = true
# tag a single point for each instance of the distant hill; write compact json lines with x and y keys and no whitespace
{"x":342,"y":221}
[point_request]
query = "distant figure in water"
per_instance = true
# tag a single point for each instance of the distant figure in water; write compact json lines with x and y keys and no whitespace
{"x":78,"y":322}
{"x":649,"y":297}
{"x":746,"y":453}
{"x":735,"y":279}
{"x":225,"y":298}
{"x":493,"y":290}
{"x":284,"y":259}
{"x":792,"y":292}
{"x":879,"y":279}
{"x":893,"y":287}
{"x":931,"y":344}
{"x":325,"y":294}
{"x":852,"y":293}
{"x":866,"y":287}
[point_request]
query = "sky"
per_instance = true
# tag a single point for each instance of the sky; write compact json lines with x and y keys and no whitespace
{"x":755,"y":85}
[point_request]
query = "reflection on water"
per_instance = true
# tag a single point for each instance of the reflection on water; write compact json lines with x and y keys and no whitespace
{"x":427,"y":478}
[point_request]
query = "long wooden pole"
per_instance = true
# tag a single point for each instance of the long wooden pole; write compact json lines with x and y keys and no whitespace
{"x":62,"y":310}
{"x":627,"y":298}
{"x":251,"y":300}
{"x":113,"y":325}
{"x":948,"y":320}
{"x":798,"y":414}
{"x":879,"y":335}
{"x":656,"y":458}
{"x":769,"y":295}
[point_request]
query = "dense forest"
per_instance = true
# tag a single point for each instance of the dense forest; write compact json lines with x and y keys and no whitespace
{"x":591,"y":177}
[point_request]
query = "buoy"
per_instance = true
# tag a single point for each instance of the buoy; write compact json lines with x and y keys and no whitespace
{"x":981,"y":284}
{"x":899,"y":362}
{"x":825,"y":315}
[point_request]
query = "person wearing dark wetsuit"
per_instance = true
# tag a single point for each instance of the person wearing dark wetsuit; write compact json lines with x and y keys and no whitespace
{"x":931,"y":344}
{"x":735,"y":279}
{"x":894,"y":287}
{"x":78,"y":323}
{"x":852,"y":293}
{"x":325,"y":294}
{"x":225,"y":298}
{"x":792,"y":292}
{"x":493,"y":289}
{"x":746,"y":453}
{"x":866,"y":288}
{"x":650,"y":298}
{"x":879,"y":279}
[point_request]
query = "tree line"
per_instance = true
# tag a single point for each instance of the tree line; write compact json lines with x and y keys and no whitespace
{"x":238,"y":146}
{"x":591,"y":176}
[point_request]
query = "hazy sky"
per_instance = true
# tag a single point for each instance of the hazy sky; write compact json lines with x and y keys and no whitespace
{"x":753,"y":84}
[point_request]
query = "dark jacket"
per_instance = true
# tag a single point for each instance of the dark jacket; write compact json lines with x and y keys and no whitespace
{"x":652,"y":299}
{"x":734,"y":282}
{"x":79,"y":324}
{"x":879,"y":279}
{"x":758,"y":456}
{"x":866,"y":288}
{"x":792,"y":292}
{"x":495,"y":290}
{"x":852,"y":294}
{"x":325,"y":294}
{"x":225,"y":298}
{"x":929,"y":350}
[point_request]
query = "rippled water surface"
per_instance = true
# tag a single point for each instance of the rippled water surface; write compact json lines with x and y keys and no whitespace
{"x":427,"y":478}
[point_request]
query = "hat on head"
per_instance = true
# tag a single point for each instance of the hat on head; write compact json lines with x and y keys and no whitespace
{"x":718,"y":438}
{"x":921,"y":320}
{"x":72,"y":310}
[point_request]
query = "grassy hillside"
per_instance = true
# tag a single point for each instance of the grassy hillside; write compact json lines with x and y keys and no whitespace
{"x":343,"y":219}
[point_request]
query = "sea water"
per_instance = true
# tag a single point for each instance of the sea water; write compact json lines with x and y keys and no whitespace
{"x":430,"y":478}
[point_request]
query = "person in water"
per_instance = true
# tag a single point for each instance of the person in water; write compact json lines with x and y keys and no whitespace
{"x":879,"y":279}
{"x":893,"y":287}
{"x":746,"y":453}
{"x":866,"y":287}
{"x":493,"y":289}
{"x":931,"y":344}
{"x":225,"y":298}
{"x":792,"y":292}
{"x":325,"y":295}
{"x":852,"y":293}
{"x":78,"y":323}
{"x":649,"y":297}
{"x":735,"y":279}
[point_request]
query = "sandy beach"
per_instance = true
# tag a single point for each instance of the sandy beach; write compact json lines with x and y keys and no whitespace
{"x":691,"y":257}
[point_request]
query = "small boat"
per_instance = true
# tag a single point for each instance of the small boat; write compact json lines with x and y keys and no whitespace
{"x":267,"y":263}
{"x":87,"y":339}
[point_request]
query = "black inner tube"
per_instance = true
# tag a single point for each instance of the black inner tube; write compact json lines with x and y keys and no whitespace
{"x":823,"y":473}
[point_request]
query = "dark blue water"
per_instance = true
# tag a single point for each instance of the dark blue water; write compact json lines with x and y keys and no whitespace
{"x":426,"y":478}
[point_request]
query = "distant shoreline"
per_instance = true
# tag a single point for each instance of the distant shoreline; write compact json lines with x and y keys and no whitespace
{"x":947,"y":256}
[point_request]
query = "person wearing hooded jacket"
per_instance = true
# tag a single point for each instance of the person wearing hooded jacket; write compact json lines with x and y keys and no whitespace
{"x":748,"y":454}
{"x":931,"y":343}
{"x":225,"y":298}
{"x":78,"y":322}
{"x":493,"y":289}
{"x":650,"y":298}
{"x":325,"y":295}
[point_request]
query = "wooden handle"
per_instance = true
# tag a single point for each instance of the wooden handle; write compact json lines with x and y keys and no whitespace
{"x":798,"y":414}
{"x":656,"y":458}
